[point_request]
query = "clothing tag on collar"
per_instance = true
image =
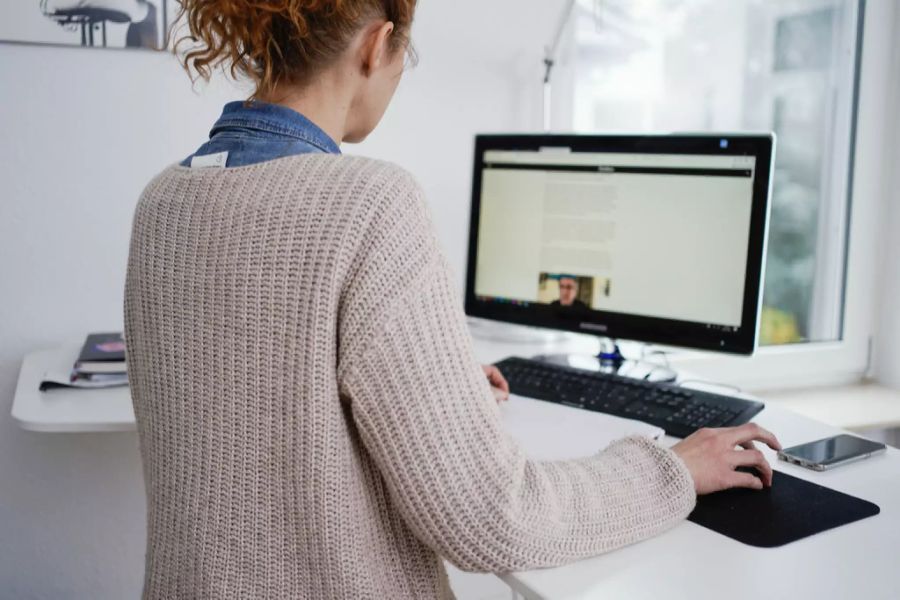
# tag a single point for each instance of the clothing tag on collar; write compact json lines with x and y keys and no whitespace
{"x":210,"y":160}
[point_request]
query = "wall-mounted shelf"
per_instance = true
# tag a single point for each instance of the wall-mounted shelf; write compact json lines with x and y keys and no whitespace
{"x":66,"y":409}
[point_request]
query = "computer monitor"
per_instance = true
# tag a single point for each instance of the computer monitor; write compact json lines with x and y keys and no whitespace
{"x":655,"y":238}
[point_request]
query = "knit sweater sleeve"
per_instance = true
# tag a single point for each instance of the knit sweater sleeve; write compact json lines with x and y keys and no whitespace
{"x":426,"y":415}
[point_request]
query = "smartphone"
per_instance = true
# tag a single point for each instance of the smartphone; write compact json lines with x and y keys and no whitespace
{"x":831,"y":452}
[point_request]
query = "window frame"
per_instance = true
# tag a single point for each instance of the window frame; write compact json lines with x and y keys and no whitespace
{"x":847,"y":360}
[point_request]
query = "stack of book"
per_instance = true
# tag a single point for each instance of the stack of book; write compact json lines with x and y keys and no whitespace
{"x":102,"y":360}
{"x":100,"y":364}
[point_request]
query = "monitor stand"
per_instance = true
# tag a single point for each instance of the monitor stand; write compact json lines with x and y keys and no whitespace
{"x":611,"y":360}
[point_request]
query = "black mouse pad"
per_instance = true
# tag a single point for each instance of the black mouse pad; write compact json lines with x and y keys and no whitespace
{"x":790,"y":510}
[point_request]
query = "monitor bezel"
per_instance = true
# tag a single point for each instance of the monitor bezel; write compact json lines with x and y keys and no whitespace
{"x":622,"y":325}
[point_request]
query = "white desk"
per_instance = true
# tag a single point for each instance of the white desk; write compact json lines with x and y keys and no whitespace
{"x":860,"y":560}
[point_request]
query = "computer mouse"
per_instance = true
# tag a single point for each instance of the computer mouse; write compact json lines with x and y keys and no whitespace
{"x":750,"y":470}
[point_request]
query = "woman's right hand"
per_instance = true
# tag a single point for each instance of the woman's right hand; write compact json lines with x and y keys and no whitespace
{"x":711,"y":455}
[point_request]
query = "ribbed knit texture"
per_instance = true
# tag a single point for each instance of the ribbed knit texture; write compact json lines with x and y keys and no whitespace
{"x":313,"y":423}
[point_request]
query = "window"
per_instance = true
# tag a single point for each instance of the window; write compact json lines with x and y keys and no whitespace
{"x":789,"y":66}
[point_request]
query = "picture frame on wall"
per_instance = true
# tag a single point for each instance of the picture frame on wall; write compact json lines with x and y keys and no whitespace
{"x":139,"y":24}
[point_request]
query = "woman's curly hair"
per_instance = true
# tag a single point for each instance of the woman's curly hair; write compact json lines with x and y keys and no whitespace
{"x":276,"y":42}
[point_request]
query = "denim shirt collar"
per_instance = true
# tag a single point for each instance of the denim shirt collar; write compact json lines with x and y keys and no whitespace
{"x":273,"y":119}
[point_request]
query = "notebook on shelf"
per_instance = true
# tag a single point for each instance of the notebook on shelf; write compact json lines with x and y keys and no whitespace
{"x":100,"y":364}
{"x":102,"y":353}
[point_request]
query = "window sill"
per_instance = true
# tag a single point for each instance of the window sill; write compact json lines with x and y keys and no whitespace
{"x":859,"y":407}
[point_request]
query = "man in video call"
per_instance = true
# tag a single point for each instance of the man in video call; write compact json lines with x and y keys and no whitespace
{"x":568,"y":294}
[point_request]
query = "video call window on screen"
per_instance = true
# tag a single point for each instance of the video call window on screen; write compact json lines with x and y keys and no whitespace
{"x":567,"y":290}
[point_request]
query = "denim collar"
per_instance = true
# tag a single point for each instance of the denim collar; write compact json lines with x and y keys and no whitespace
{"x":276,"y":119}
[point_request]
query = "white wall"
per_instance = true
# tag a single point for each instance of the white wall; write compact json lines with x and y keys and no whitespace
{"x":82,"y":132}
{"x":887,"y":335}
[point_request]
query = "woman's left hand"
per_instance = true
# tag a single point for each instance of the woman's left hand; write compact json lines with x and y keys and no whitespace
{"x":498,"y":382}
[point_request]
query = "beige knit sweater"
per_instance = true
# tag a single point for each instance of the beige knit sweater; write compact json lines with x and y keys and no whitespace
{"x":313,"y":423}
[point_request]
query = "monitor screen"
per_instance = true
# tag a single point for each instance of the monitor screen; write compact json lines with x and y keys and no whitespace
{"x":632,"y":237}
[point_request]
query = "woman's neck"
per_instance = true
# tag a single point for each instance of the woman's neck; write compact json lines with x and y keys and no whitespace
{"x":325,"y":103}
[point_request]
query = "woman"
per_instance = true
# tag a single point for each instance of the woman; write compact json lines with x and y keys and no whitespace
{"x":312,"y":421}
